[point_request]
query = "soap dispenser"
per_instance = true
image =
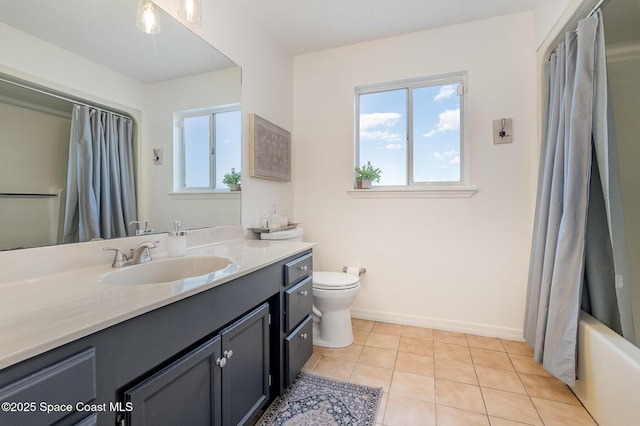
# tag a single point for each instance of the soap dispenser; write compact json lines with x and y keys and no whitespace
{"x":274,"y":219}
{"x":177,"y":241}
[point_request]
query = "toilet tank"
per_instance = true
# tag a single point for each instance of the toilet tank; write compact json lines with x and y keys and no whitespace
{"x":286,"y":235}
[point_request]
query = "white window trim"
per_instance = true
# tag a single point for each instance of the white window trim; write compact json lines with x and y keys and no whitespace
{"x":179,"y":190}
{"x":460,"y":189}
{"x":435,"y":191}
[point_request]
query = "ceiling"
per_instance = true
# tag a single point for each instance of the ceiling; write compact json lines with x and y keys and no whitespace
{"x":304,"y":26}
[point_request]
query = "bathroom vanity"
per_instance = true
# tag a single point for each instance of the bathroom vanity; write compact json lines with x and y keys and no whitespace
{"x":213,"y":353}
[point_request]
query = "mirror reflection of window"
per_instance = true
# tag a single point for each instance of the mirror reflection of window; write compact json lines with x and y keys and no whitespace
{"x":196,"y":141}
{"x":209,"y":145}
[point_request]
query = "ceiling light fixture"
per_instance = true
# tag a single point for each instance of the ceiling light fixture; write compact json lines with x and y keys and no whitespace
{"x":191,"y":11}
{"x":147,"y":17}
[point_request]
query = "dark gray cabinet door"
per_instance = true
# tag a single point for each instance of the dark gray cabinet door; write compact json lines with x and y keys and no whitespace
{"x":245,"y":377}
{"x":298,"y":302}
{"x":298,"y":349}
{"x":66,"y":383}
{"x":187,"y":392}
{"x":224,"y":381}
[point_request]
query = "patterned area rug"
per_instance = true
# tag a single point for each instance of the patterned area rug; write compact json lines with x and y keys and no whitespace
{"x":313,"y":400}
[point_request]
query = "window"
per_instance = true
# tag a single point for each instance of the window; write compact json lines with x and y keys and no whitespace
{"x":413,"y":131}
{"x":208,"y":146}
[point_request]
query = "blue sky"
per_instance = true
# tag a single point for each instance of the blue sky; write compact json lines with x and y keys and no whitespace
{"x":228,"y":136}
{"x":436,"y":134}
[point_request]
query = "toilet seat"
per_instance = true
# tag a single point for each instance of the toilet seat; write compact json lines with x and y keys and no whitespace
{"x":334,"y":281}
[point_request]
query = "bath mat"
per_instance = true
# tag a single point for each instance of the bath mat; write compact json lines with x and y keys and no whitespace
{"x":314,"y":400}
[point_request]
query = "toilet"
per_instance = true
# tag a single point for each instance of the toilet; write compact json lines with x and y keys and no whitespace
{"x":333,"y":295}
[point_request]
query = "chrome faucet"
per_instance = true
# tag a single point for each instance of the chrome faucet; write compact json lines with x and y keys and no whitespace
{"x":141,"y":253}
{"x":143,"y":227}
{"x":138,"y":255}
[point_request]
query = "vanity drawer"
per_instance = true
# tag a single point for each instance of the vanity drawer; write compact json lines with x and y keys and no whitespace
{"x":297,"y":269}
{"x":66,"y":383}
{"x":298,"y":303}
{"x":298,"y":349}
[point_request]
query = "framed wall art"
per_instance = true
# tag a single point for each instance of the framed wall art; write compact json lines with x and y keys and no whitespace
{"x":269,"y":150}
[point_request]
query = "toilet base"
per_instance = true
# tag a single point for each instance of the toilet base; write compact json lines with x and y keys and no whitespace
{"x":333,"y":330}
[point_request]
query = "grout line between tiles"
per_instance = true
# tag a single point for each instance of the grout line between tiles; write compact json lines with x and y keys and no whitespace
{"x":479,"y":344}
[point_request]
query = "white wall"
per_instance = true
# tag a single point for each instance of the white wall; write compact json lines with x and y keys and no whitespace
{"x":457,"y":264}
{"x":548,"y":13}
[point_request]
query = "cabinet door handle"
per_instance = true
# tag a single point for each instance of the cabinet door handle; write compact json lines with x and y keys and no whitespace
{"x":304,"y":336}
{"x":303,"y":292}
{"x":228,"y":354}
{"x":221,"y":362}
{"x":303,"y":268}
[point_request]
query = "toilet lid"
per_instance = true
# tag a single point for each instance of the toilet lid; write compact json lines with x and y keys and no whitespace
{"x":334,"y":280}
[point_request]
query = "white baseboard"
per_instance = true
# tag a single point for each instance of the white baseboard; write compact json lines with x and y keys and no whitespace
{"x":440,"y":324}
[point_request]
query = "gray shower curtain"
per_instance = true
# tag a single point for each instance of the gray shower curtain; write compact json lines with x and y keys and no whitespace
{"x":101,"y":199}
{"x":578,"y":256}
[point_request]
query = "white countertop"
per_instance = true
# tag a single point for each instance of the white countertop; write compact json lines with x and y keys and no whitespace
{"x":43,"y":312}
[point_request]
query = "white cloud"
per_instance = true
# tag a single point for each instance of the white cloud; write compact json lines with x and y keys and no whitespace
{"x":446,"y":92}
{"x":453,"y":157}
{"x":379,"y":135}
{"x":447,"y":120}
{"x":378,"y":119}
{"x":394,"y":146}
{"x":376,"y":127}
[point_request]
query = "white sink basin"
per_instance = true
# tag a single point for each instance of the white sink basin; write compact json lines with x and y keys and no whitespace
{"x":168,"y":270}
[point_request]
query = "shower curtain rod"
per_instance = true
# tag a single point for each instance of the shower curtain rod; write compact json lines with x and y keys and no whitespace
{"x":558,"y":40}
{"x":64,"y":98}
{"x":596,"y":7}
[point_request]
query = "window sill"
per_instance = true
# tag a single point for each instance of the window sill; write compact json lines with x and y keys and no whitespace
{"x":413,"y":192}
{"x":201,"y":195}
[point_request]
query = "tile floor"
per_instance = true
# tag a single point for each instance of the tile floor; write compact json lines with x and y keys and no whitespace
{"x":434,"y":377}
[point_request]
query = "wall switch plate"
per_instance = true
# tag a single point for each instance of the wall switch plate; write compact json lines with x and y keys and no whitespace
{"x":502,"y":131}
{"x":157,"y":156}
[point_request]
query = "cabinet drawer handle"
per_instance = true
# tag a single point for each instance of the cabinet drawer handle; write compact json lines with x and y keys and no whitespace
{"x":304,"y":336}
{"x":303,"y":268}
{"x":221,"y":362}
{"x":228,"y":354}
{"x":303,"y":292}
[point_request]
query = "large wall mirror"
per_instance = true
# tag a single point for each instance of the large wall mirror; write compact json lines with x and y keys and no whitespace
{"x":57,"y":53}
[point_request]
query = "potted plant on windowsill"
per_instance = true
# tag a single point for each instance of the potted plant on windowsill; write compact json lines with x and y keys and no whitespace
{"x":232,"y":179}
{"x":366,"y":175}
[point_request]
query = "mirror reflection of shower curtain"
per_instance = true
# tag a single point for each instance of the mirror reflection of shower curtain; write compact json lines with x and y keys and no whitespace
{"x":101,"y":198}
{"x":578,"y":242}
